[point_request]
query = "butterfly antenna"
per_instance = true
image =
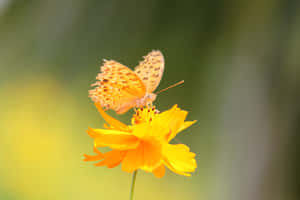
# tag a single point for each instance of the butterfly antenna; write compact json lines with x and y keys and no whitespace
{"x":171,"y":86}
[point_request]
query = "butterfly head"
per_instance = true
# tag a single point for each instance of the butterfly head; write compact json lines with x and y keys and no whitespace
{"x":150,"y":97}
{"x":146,"y":100}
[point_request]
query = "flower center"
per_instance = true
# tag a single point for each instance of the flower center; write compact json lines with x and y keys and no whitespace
{"x":144,"y":115}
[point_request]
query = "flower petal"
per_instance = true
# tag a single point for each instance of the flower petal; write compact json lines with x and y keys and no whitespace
{"x":181,"y":128}
{"x":112,"y":121}
{"x":160,"y":171}
{"x":169,"y":122}
{"x":132,"y":161}
{"x":112,"y":158}
{"x":113,"y":139}
{"x":142,"y":129}
{"x":185,"y":125}
{"x":146,"y":156}
{"x":99,"y":156}
{"x":179,"y":159}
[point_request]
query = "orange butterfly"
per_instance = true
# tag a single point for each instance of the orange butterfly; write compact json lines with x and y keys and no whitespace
{"x":119,"y":88}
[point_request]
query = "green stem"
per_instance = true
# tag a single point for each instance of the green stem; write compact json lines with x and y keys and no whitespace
{"x":132,"y":185}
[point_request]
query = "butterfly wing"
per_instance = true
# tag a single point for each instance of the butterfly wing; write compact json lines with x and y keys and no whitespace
{"x":117,"y":87}
{"x":151,"y":69}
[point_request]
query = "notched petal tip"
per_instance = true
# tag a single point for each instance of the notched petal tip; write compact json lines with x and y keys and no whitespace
{"x":185,"y":125}
{"x":99,"y":156}
{"x":110,"y":159}
{"x":179,"y":159}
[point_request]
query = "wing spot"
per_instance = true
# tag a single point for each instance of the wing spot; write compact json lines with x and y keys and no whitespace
{"x":145,"y":78}
{"x":157,"y":68}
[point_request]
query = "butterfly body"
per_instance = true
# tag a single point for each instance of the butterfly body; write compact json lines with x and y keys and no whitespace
{"x":140,"y":102}
{"x":119,"y":88}
{"x":148,"y":98}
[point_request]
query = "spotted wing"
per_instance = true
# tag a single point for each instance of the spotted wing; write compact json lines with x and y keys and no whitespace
{"x":151,"y":69}
{"x":117,"y":87}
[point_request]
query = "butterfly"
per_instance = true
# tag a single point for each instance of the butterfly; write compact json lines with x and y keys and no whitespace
{"x":120,"y":88}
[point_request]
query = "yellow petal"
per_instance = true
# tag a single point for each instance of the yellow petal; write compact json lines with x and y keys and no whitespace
{"x":169,"y":122}
{"x":146,"y":156}
{"x":181,"y":128}
{"x":179,"y":158}
{"x":186,"y":125}
{"x":132,"y":161}
{"x":160,"y":171}
{"x":113,"y":139}
{"x":142,"y":129}
{"x":112,"y":121}
{"x":99,"y":156}
{"x":112,"y":158}
{"x":93,"y":132}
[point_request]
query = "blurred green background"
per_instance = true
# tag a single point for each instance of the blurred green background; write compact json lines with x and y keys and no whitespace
{"x":241,"y":65}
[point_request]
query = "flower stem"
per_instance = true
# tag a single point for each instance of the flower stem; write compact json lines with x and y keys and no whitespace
{"x":132,"y":185}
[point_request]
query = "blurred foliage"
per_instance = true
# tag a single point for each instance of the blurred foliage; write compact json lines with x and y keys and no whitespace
{"x":240,"y":63}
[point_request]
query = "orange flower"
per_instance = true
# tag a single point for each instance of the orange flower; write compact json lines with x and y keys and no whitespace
{"x":145,"y":144}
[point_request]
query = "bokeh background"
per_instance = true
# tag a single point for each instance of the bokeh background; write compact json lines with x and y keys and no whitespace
{"x":241,"y":65}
